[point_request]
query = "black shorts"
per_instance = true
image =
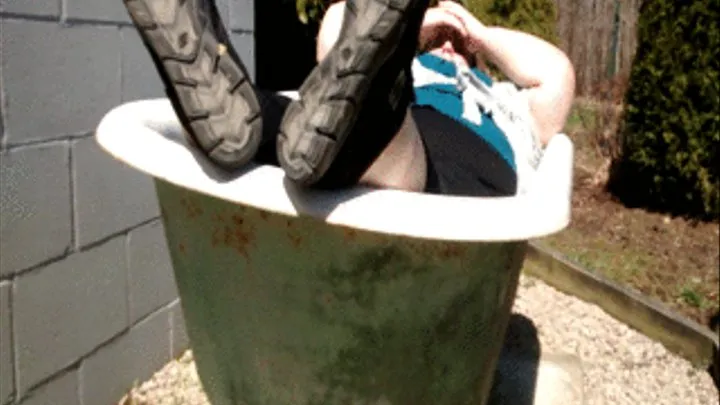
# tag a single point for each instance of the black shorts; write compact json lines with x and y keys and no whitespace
{"x":460,"y":162}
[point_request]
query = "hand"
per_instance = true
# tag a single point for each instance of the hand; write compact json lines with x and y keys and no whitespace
{"x":440,"y":25}
{"x":474,"y":28}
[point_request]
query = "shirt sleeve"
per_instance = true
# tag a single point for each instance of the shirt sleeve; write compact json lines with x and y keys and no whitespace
{"x":516,"y":104}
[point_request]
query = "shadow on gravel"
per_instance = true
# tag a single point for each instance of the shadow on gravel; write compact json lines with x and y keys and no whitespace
{"x":516,"y":374}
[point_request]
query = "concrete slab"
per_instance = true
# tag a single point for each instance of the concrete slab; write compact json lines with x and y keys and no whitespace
{"x":551,"y":379}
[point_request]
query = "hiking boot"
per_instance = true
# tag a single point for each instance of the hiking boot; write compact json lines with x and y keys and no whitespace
{"x":356,"y":99}
{"x":204,"y":78}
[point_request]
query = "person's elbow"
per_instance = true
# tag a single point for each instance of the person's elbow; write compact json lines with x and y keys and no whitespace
{"x":566,"y":93}
{"x":554,"y":99}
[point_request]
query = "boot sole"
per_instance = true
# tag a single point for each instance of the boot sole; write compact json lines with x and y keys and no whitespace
{"x":315,"y":127}
{"x":210,"y":91}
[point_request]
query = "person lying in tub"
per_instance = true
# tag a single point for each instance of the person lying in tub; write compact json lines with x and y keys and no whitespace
{"x":372,"y":111}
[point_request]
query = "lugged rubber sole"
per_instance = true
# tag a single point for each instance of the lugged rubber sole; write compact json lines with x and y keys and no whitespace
{"x":316,"y":126}
{"x":208,"y":88}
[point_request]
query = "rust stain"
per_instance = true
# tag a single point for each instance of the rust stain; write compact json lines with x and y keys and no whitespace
{"x":328,"y":298}
{"x":418,"y":248}
{"x":349,"y":234}
{"x":243,"y":240}
{"x":192,"y":209}
{"x":264,"y":215}
{"x":234,"y":234}
{"x":216,"y":238}
{"x":227,"y":236}
{"x":295,"y":240}
{"x":181,"y":248}
{"x":451,"y":250}
{"x":238,"y":220}
{"x":263,"y":365}
{"x":186,"y":207}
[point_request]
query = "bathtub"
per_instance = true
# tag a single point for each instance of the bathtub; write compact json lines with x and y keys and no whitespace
{"x":361,"y":296}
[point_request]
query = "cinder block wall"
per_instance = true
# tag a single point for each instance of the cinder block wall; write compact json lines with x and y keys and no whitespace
{"x":88,"y":302}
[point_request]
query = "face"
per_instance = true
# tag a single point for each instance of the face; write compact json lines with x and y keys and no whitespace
{"x":449,"y":44}
{"x":448,"y":52}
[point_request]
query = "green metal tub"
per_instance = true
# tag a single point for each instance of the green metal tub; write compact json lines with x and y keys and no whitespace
{"x":357,"y":297}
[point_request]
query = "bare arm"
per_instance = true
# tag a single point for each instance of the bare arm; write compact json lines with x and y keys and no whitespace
{"x":530,"y":62}
{"x":538,"y":66}
{"x":435,"y":21}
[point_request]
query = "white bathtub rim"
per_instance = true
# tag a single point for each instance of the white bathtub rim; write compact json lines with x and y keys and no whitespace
{"x":134,"y":133}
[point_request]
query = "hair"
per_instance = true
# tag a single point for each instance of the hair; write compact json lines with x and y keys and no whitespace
{"x":476,"y":60}
{"x":434,"y":3}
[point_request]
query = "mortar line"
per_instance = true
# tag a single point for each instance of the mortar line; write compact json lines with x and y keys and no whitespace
{"x":117,"y":234}
{"x":73,"y":198}
{"x":63,"y":10}
{"x":174,"y":306}
{"x":242,"y":31}
{"x":30,"y":391}
{"x":80,"y":383}
{"x":171,"y":331}
{"x":55,"y":140}
{"x":121,"y":59}
{"x":3,"y":111}
{"x":63,"y":19}
{"x":128,"y":282}
{"x":22,"y":17}
{"x":82,"y":249}
{"x":77,"y":363}
{"x":13,"y":339}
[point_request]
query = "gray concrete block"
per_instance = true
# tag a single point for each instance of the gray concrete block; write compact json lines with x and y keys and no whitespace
{"x":2,"y":103}
{"x":67,"y":309}
{"x":7,"y":371}
{"x":140,"y":79}
{"x":58,"y":80}
{"x":109,"y":196}
{"x":62,"y":390}
{"x":50,"y":8}
{"x":35,"y":209}
{"x":100,"y":10}
{"x":179,"y":338}
{"x":108,"y":374}
{"x":244,"y":43}
{"x":242,"y":15}
{"x":224,"y":11}
{"x":152,"y":282}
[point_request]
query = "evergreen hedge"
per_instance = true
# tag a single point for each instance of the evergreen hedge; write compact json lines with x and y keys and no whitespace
{"x":671,"y":130}
{"x":537,"y":17}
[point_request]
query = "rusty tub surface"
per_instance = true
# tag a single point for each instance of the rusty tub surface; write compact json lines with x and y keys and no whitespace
{"x":359,"y":296}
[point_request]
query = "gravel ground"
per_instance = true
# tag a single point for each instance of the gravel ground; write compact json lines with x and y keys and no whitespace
{"x":621,"y":366}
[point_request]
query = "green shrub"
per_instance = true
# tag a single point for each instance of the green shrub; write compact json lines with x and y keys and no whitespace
{"x":671,"y":131}
{"x":311,"y":10}
{"x":537,"y":17}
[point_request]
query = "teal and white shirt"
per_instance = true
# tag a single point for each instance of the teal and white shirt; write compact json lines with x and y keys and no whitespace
{"x":497,"y":111}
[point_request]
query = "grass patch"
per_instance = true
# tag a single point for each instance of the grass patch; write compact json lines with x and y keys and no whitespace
{"x":671,"y":259}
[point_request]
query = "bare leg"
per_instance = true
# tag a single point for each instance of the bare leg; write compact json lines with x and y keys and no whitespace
{"x":402,"y":164}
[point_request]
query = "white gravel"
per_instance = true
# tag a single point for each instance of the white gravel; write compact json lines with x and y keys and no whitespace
{"x":621,"y":366}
